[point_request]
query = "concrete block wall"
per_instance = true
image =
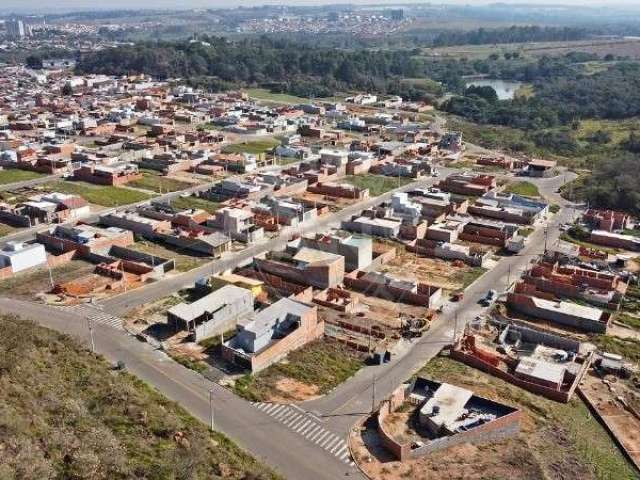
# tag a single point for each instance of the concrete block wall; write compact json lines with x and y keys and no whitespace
{"x":307,"y":332}
{"x":524,"y":304}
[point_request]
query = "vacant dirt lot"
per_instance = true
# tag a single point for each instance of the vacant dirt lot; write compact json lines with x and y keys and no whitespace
{"x":434,"y":271}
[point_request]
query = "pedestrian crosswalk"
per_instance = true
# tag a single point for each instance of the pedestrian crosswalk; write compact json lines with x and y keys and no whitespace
{"x":308,"y":426}
{"x":95,"y":314}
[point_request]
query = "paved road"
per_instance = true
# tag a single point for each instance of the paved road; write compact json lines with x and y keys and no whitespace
{"x":354,"y":397}
{"x":29,"y":183}
{"x":306,"y":441}
{"x":126,"y":301}
{"x":294,"y":443}
{"x":26,"y":234}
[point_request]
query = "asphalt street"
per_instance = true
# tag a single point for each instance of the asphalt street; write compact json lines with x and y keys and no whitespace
{"x":288,"y":444}
{"x":126,"y":301}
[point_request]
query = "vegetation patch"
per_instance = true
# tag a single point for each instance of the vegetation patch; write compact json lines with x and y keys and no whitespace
{"x":6,"y":229}
{"x":66,"y":415}
{"x":377,"y":184}
{"x":192,"y":202}
{"x":467,"y":276}
{"x":629,"y":348}
{"x":13,"y":175}
{"x":314,"y":369}
{"x":254,"y":147}
{"x":159,"y":184}
{"x":526,"y":189}
{"x":107,"y":196}
{"x":629,"y":320}
{"x":184,"y":260}
{"x":562,"y":440}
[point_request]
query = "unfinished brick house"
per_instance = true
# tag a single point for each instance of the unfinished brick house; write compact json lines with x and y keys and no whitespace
{"x":532,"y":360}
{"x":397,"y":290}
{"x":446,"y":416}
{"x":108,"y":174}
{"x":536,"y":304}
{"x":608,"y":220}
{"x":305,"y":267}
{"x":488,"y":233}
{"x":272,"y":333}
{"x":339,"y":190}
{"x":468,"y":184}
{"x":601,"y":288}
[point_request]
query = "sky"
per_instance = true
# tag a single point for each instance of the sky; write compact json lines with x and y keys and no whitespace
{"x":48,"y":6}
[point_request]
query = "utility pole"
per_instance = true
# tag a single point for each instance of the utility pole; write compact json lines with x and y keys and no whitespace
{"x":546,"y":233}
{"x":211,"y":423}
{"x":373,"y":394}
{"x":93,"y":343}
{"x":50,"y":276}
{"x":509,"y":276}
{"x":455,"y":328}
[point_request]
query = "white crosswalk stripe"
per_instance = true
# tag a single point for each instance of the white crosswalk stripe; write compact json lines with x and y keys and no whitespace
{"x":95,"y":314}
{"x":308,"y":426}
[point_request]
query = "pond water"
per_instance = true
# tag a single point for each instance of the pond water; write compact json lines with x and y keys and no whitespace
{"x":506,"y":89}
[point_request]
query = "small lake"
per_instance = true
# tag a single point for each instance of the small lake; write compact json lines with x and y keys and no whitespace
{"x":506,"y":89}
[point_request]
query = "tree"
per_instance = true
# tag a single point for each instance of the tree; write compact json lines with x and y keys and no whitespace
{"x":34,"y":62}
{"x":67,"y":90}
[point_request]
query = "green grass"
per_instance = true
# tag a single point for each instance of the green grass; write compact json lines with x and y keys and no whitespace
{"x":263,"y":94}
{"x":159,"y":184}
{"x":14,"y":175}
{"x":468,"y":276}
{"x":323,"y":363}
{"x":192,"y":202}
{"x":618,"y":129}
{"x":629,"y":320}
{"x":66,"y":414}
{"x":629,"y":348}
{"x":377,"y":184}
{"x":255,"y":147}
{"x":525,"y":231}
{"x":526,"y":189}
{"x":6,"y":229}
{"x":195,"y":365}
{"x":107,"y":196}
{"x":560,"y":437}
{"x":554,"y":208}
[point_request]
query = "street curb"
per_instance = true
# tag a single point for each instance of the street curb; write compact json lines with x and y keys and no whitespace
{"x":358,"y":424}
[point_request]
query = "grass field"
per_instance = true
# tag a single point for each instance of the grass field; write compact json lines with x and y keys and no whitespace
{"x":629,"y":348}
{"x":6,"y":229}
{"x":107,"y":196}
{"x":67,"y":414}
{"x":526,"y":189}
{"x":159,"y":184}
{"x":319,"y":367}
{"x":618,"y":129}
{"x":191,"y":202}
{"x":377,"y":184}
{"x":266,"y":95}
{"x":255,"y":147}
{"x":13,"y":175}
{"x":557,"y":437}
{"x":624,"y":48}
